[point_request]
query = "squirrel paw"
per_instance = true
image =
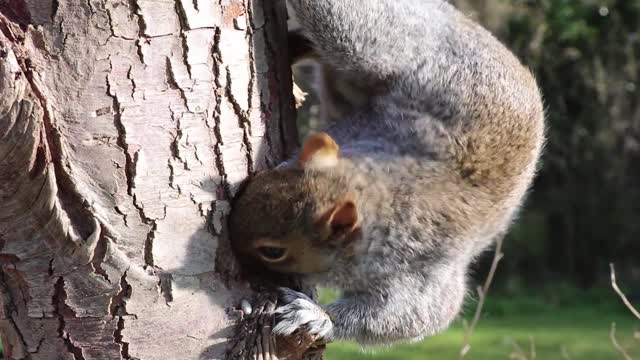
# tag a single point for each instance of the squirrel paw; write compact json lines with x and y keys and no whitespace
{"x":301,"y":312}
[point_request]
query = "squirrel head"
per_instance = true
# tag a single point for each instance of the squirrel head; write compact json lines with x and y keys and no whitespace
{"x":298,"y":219}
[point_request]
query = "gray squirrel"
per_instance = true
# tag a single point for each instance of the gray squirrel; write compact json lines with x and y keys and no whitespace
{"x":393,"y":202}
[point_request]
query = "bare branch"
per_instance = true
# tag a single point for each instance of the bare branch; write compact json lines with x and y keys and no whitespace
{"x":620,"y":293}
{"x":482,"y":295}
{"x":533,"y":348}
{"x":617,"y":346}
{"x":517,"y":356}
{"x":517,"y":353}
{"x":465,"y":325}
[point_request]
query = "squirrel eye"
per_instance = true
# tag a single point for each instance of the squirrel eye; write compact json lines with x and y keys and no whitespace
{"x":271,"y":253}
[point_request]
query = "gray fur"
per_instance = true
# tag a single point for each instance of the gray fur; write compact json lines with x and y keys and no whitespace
{"x":440,"y":161}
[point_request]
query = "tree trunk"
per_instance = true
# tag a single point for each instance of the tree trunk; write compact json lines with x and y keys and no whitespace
{"x":126,"y":127}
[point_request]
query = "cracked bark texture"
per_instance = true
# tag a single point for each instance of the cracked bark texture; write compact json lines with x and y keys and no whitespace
{"x":126,"y":127}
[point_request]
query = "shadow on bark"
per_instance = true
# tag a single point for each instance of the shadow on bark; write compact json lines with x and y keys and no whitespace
{"x":251,"y":335}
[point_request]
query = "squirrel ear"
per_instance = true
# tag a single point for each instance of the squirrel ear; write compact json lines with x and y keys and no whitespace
{"x":343,"y":217}
{"x":319,"y":150}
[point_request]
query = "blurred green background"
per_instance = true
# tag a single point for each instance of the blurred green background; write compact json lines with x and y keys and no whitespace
{"x":561,"y":322}
{"x":583,"y":212}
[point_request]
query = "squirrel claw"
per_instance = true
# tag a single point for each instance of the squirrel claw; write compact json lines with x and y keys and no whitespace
{"x":301,"y":312}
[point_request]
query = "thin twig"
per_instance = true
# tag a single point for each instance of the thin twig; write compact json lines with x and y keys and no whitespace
{"x":533,"y":348}
{"x":620,"y":293}
{"x":465,"y":325}
{"x":517,"y":353}
{"x":482,"y":294}
{"x":565,"y":353}
{"x":517,"y":356}
{"x":620,"y":349}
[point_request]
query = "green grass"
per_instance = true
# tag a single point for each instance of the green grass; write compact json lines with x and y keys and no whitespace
{"x":578,"y":322}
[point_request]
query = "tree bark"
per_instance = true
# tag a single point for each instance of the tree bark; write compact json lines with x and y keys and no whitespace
{"x":126,"y":127}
